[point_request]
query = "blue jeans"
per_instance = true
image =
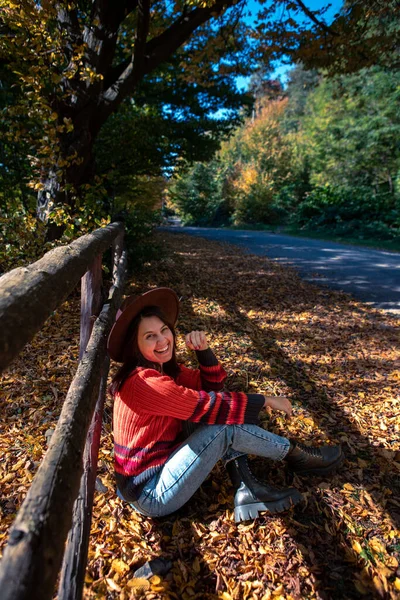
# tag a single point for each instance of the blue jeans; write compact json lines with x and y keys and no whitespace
{"x":189,"y":465}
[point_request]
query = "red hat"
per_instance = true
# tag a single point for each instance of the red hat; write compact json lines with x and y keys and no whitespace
{"x":163,"y":298}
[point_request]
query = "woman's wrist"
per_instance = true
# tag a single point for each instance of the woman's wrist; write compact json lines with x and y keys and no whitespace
{"x":268,"y":400}
{"x":278,"y":403}
{"x":206,"y":357}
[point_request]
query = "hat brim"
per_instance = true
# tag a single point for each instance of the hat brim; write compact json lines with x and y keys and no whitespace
{"x":164,"y":298}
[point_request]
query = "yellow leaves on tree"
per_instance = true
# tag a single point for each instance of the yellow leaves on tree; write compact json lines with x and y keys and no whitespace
{"x":259,"y":163}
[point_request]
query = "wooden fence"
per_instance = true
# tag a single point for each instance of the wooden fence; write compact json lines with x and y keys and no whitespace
{"x":51,"y":529}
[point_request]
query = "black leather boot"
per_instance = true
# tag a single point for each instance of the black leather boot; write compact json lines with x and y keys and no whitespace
{"x":252,"y":496}
{"x":305,"y":460}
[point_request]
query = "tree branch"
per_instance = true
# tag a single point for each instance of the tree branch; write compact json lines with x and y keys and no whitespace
{"x":68,"y":19}
{"x":142,"y":31}
{"x":102,"y":34}
{"x":158,"y":50}
{"x":314,"y":19}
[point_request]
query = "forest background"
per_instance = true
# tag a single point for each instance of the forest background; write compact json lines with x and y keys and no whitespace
{"x":109,"y":112}
{"x":320,"y":156}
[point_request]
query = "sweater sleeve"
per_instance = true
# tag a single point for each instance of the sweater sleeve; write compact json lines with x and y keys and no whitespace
{"x":150,"y":392}
{"x":210,"y":376}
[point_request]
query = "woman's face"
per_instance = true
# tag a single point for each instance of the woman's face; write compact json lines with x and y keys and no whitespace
{"x":155,"y":340}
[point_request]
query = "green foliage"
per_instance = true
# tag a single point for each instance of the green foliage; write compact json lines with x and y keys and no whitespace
{"x":348,"y":138}
{"x":351,"y":129}
{"x":261,"y":164}
{"x":139,"y":226}
{"x":197,"y":196}
{"x":325,"y":159}
{"x":137,"y":201}
{"x":365,"y":33}
{"x":71,"y":63}
{"x":240,"y":186}
{"x":354,"y":211}
{"x":22,"y":235}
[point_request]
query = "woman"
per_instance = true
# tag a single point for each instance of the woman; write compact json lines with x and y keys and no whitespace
{"x":158,"y":466}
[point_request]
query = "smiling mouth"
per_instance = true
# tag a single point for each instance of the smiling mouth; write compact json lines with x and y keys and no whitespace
{"x":163,"y":350}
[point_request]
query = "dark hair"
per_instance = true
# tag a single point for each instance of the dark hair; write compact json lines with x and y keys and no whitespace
{"x":133,"y":358}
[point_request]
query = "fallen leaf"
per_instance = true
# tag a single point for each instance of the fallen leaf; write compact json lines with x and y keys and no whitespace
{"x":119,"y":566}
{"x":111,"y":584}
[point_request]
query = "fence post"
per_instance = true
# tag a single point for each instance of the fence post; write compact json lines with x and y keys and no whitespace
{"x":91,"y":300}
{"x":75,"y":557}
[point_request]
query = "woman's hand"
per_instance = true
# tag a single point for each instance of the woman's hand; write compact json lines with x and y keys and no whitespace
{"x":196,"y":340}
{"x":279,"y":403}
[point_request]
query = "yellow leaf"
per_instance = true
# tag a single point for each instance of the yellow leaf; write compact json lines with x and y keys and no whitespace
{"x":112,"y":525}
{"x":397,"y":583}
{"x":278,"y":591}
{"x":356,"y":547}
{"x":225,"y":596}
{"x":114,"y":586}
{"x":8,"y":478}
{"x":19,"y":464}
{"x":196,"y":565}
{"x":217,"y":536}
{"x":88,"y":578}
{"x":377,"y":546}
{"x":119,"y":566}
{"x":392,"y":562}
{"x":139,"y":584}
{"x":349,"y":487}
{"x":155,"y":580}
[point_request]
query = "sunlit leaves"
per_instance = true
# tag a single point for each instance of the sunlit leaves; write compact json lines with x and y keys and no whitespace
{"x":338,"y":361}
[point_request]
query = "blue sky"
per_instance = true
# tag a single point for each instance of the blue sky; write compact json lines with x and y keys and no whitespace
{"x":281,"y":69}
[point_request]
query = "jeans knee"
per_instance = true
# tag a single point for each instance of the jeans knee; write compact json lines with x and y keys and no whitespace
{"x":154,"y":512}
{"x":229,"y":435}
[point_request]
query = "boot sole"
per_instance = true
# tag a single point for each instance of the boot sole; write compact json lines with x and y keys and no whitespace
{"x":322,"y":470}
{"x":249,"y":512}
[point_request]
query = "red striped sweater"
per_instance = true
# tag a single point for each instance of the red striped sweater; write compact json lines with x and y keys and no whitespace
{"x":150,"y":408}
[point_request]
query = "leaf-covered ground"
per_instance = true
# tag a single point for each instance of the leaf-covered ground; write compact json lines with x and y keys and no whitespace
{"x":338,"y":361}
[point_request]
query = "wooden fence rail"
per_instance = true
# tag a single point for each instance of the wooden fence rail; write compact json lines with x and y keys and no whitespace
{"x":36,"y":545}
{"x":30,"y":294}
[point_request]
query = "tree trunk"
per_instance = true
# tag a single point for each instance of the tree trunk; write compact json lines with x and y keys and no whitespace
{"x":76,"y":149}
{"x":87,"y":104}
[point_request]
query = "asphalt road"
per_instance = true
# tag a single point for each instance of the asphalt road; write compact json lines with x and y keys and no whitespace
{"x":372,"y":276}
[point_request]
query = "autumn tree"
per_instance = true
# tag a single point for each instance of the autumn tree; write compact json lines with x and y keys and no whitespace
{"x":75,"y":63}
{"x":362,"y":34}
{"x":169,"y":122}
{"x":78,"y":61}
{"x":241,"y":184}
